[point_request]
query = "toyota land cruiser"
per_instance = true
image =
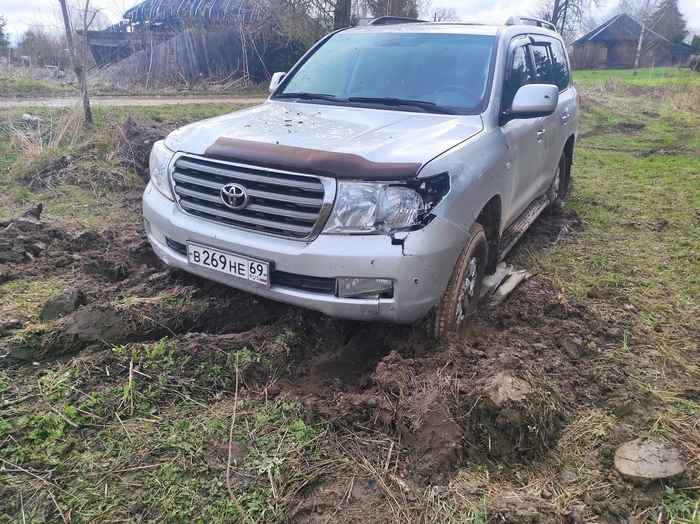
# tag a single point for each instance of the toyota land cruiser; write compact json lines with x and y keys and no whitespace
{"x":390,"y":170}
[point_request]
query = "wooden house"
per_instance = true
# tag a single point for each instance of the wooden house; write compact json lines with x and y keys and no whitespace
{"x":613,"y":45}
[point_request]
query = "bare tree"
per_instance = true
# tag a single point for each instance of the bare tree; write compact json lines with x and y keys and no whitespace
{"x":648,"y":14}
{"x":79,"y":65}
{"x":341,"y":14}
{"x":445,"y":14}
{"x":568,"y":16}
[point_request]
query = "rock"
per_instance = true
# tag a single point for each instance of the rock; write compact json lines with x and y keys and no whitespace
{"x":63,"y":304}
{"x":643,"y":460}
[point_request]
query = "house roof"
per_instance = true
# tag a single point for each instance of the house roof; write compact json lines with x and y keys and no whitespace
{"x":163,"y":10}
{"x":621,"y":28}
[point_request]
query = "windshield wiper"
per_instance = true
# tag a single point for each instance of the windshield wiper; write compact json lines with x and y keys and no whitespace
{"x":430,"y":107}
{"x":311,"y":96}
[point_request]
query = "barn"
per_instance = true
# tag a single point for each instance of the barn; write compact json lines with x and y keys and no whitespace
{"x":613,"y":45}
{"x":177,"y":42}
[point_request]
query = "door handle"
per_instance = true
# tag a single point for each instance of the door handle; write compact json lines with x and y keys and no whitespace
{"x":565,"y":118}
{"x":540,"y":134}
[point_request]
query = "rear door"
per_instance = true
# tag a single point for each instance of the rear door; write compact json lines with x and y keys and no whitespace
{"x":551,"y":67}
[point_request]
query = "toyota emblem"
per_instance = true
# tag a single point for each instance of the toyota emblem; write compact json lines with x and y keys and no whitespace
{"x":234,"y":196}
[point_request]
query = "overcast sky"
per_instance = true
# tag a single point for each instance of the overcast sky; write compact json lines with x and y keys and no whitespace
{"x":20,"y":13}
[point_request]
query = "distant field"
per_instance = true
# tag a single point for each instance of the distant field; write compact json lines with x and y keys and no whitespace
{"x":648,"y":76}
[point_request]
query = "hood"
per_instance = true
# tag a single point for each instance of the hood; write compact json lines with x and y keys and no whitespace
{"x":345,"y":142}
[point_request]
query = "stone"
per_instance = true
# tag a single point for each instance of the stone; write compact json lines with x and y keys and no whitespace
{"x":643,"y":461}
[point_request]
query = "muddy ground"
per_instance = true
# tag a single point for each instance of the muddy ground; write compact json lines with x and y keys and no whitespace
{"x":502,"y":396}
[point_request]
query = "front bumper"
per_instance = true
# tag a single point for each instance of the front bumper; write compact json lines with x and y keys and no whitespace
{"x":419,"y":265}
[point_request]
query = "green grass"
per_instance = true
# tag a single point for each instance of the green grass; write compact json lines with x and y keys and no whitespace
{"x":647,"y":76}
{"x":12,"y":85}
{"x":84,"y":194}
{"x":637,"y":190}
{"x":158,"y":432}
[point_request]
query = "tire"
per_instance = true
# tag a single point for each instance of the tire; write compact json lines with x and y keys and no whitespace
{"x":463,"y":289}
{"x":560,"y":183}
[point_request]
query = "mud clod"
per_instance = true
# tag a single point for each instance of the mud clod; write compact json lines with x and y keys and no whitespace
{"x":63,"y":304}
{"x":134,"y":143}
{"x":520,"y":508}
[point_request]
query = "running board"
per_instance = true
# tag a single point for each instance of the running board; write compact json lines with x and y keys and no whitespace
{"x":518,"y":228}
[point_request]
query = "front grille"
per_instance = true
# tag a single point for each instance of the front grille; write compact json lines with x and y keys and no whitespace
{"x":176,"y":246}
{"x":281,"y":203}
{"x":322,"y":285}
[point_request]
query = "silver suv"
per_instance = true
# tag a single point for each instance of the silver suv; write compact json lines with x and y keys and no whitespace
{"x":390,"y":170}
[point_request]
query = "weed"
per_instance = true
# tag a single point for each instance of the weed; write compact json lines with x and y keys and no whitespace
{"x":678,"y":507}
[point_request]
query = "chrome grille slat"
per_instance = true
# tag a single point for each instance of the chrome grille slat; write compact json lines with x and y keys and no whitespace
{"x":241,"y":175}
{"x":184,"y":179}
{"x":281,"y":203}
{"x":225,"y":215}
{"x":255,"y":208}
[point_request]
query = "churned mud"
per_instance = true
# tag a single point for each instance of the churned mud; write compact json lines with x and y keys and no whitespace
{"x":502,"y":396}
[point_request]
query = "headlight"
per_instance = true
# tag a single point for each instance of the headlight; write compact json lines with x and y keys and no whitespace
{"x":362,"y":207}
{"x":375,"y":207}
{"x":158,"y":166}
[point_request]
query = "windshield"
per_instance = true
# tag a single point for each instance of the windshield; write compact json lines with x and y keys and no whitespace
{"x":449,"y":70}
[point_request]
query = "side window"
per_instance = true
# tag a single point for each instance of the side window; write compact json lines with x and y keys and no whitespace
{"x":543,"y":64}
{"x":520,"y":74}
{"x":561,"y":69}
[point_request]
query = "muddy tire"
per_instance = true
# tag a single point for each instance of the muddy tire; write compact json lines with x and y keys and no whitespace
{"x":560,"y":183}
{"x":463,"y":289}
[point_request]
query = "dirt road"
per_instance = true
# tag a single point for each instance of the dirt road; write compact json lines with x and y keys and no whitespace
{"x":130,"y":101}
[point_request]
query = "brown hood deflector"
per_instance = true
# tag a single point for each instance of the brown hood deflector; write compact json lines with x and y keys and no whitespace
{"x":309,"y":161}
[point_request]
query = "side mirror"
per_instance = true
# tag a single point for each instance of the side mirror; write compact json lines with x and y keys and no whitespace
{"x":534,"y":100}
{"x":275,"y":80}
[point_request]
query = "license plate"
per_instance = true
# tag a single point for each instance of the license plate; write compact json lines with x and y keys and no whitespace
{"x":240,"y":266}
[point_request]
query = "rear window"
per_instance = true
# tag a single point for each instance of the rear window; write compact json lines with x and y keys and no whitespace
{"x":561,"y":69}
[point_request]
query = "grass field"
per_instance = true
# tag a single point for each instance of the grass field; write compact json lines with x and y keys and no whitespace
{"x":646,"y":76}
{"x":180,"y":429}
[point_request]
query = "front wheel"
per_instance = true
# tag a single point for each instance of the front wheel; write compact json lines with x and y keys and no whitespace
{"x":560,"y":183}
{"x":463,"y":289}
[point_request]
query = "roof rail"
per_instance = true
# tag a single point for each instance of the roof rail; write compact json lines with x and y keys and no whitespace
{"x":527,"y":20}
{"x":389,"y":20}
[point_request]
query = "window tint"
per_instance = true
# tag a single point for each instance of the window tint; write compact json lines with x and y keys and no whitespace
{"x":520,"y":75}
{"x":543,"y":64}
{"x":561,"y":71}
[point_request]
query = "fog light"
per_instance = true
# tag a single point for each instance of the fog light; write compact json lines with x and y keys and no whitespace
{"x":351,"y":287}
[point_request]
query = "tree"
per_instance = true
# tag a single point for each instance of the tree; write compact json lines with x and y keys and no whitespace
{"x":341,"y":14}
{"x":401,"y":8}
{"x":568,"y":16}
{"x":79,"y":65}
{"x":4,"y":41}
{"x":643,"y":11}
{"x":660,"y":16}
{"x":42,"y":45}
{"x":445,"y":14}
{"x":668,"y":22}
{"x":695,"y":42}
